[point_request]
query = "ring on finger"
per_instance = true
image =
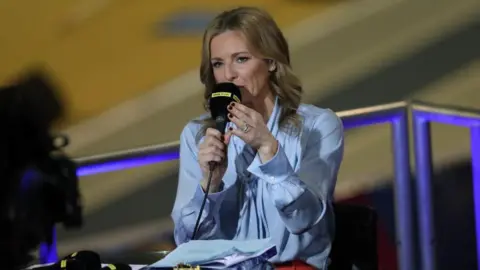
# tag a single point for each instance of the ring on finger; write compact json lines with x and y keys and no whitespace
{"x":246,"y":127}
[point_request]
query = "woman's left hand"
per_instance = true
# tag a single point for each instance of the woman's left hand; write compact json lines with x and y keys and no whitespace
{"x":251,"y":128}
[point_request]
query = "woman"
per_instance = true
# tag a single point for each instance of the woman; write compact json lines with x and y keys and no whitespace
{"x":279,"y":158}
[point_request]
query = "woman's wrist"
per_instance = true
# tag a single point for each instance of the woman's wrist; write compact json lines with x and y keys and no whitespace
{"x":268,"y":150}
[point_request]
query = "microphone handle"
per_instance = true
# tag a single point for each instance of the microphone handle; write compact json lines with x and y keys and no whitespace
{"x":212,"y":165}
{"x":221,"y":123}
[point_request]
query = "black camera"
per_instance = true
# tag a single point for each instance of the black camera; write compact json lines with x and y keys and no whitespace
{"x":39,"y":184}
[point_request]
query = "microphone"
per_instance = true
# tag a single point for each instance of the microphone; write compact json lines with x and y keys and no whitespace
{"x":66,"y":264}
{"x":117,"y":266}
{"x":90,"y":259}
{"x":222,"y":95}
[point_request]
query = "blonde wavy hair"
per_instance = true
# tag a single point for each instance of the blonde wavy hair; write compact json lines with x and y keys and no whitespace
{"x":266,"y":38}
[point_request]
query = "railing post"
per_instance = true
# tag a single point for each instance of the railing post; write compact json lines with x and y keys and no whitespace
{"x":403,"y":198}
{"x":423,"y":168}
{"x":475,"y":152}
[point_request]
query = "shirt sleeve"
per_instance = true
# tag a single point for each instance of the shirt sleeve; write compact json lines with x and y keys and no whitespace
{"x":302,"y":194}
{"x":190,"y":195}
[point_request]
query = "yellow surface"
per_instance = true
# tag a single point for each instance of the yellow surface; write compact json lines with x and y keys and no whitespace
{"x":103,"y":52}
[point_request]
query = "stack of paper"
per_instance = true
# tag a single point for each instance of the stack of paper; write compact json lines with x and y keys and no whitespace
{"x":219,"y":254}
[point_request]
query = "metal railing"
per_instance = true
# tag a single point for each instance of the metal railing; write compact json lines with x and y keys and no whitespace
{"x":423,"y":114}
{"x":395,"y":114}
{"x":126,"y":159}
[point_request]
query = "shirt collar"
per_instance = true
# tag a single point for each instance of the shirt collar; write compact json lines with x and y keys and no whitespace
{"x":272,"y":123}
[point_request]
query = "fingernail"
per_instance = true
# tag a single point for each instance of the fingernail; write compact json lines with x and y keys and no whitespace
{"x":229,"y":107}
{"x":232,"y":104}
{"x":230,"y":115}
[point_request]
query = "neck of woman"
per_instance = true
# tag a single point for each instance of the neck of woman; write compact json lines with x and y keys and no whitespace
{"x":264,"y":105}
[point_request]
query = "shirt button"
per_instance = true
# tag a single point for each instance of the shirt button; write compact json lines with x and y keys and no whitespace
{"x":272,"y":178}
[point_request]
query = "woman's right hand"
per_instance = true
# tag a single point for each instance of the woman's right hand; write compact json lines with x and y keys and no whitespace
{"x":213,"y":149}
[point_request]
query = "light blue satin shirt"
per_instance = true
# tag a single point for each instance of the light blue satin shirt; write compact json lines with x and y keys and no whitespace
{"x":288,"y":198}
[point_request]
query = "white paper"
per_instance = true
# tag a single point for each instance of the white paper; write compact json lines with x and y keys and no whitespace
{"x":217,"y":254}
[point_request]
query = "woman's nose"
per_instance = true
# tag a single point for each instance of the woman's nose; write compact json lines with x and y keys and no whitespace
{"x":230,"y":73}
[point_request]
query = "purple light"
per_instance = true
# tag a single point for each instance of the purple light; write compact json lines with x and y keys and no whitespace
{"x":125,"y":164}
{"x":48,"y":253}
{"x":423,"y":160}
{"x":356,"y":122}
{"x":448,"y":119}
{"x":475,"y":149}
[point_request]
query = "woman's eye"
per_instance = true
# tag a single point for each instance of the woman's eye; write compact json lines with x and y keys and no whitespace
{"x":216,"y":64}
{"x":242,"y":59}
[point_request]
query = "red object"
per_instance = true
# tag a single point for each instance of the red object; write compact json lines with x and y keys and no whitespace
{"x":387,"y":252}
{"x":294,"y":265}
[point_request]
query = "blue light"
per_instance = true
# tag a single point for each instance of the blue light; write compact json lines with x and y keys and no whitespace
{"x":126,"y":164}
{"x":370,"y":120}
{"x":448,"y":119}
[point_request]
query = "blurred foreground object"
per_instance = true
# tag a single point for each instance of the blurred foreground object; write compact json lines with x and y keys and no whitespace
{"x":39,"y":184}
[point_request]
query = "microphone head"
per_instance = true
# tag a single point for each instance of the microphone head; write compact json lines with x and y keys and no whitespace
{"x":117,"y":266}
{"x":222,"y":95}
{"x":90,"y":259}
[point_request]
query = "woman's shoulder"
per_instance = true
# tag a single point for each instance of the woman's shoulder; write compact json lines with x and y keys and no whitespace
{"x":319,"y":118}
{"x":311,"y":112}
{"x":193,"y":127}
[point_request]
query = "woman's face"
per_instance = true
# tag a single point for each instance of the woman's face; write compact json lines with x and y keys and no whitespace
{"x":233,"y":61}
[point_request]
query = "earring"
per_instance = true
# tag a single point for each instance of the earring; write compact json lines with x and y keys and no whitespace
{"x":273,"y":66}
